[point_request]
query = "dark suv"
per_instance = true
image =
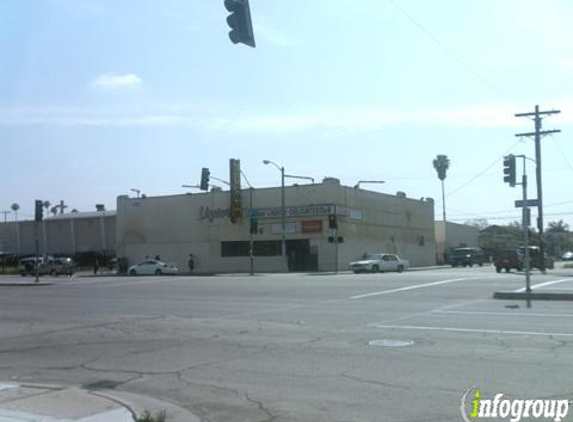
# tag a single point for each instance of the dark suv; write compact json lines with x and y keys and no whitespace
{"x":508,"y":259}
{"x":467,"y":257}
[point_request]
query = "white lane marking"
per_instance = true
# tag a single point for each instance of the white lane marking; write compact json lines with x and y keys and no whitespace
{"x":414,"y":287}
{"x":503,"y":314}
{"x":547,"y":283}
{"x":469,"y":330}
{"x":419,"y":314}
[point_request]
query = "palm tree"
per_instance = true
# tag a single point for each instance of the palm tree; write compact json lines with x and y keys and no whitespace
{"x":15,"y":207}
{"x":47,"y":205}
{"x":442,"y":164}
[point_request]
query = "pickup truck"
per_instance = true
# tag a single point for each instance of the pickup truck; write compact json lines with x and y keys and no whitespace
{"x":47,"y":265}
{"x":508,"y":259}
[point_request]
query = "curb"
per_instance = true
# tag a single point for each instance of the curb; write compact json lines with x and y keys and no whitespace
{"x":533,"y":296}
{"x":138,"y":404}
{"x":59,"y":402}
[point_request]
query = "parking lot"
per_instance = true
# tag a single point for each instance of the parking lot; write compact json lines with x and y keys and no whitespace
{"x":296,"y":347}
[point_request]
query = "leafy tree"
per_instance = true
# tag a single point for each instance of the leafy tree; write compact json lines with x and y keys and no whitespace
{"x":557,"y":227}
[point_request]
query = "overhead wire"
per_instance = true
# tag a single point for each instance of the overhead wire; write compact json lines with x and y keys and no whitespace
{"x":561,"y":152}
{"x":446,"y":49}
{"x":481,"y":173}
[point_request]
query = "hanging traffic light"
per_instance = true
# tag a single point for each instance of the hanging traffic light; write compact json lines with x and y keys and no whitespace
{"x":254,"y":229}
{"x":240,"y":22}
{"x":39,"y":215}
{"x":509,"y":170}
{"x":204,"y":179}
{"x":332,"y":223}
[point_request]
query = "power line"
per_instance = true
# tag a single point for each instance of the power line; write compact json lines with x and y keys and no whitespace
{"x":445,"y":49}
{"x":495,"y":162}
{"x":562,"y":153}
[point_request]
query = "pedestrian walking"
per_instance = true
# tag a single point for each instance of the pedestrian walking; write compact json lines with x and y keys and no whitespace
{"x":191,"y":263}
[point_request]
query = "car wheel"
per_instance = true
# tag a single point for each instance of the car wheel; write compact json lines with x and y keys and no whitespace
{"x":481,"y":264}
{"x":498,"y":269}
{"x":507,"y":269}
{"x":375,"y":268}
{"x":132,"y":272}
{"x":53,"y":273}
{"x":400,"y":268}
{"x":158,"y":272}
{"x":355,"y":272}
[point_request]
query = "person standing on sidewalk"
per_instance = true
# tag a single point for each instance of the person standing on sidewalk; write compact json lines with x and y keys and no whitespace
{"x":191,"y":263}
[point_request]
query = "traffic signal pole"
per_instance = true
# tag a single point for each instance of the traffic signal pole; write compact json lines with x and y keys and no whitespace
{"x":525,"y":224}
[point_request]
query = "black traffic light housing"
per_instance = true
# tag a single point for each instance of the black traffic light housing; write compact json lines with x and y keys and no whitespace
{"x":39,"y":215}
{"x":254,"y":229}
{"x":240,"y":22}
{"x":332,"y":223}
{"x":205,"y":179}
{"x":509,"y":171}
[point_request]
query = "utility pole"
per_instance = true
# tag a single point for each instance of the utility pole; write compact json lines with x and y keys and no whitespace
{"x":537,"y":119}
{"x":5,"y":214}
{"x":63,"y":206}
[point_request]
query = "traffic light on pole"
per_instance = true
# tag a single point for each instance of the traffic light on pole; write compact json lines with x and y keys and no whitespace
{"x":240,"y":22}
{"x":204,"y":179}
{"x":509,"y":170}
{"x":39,"y":215}
{"x":332,"y":223}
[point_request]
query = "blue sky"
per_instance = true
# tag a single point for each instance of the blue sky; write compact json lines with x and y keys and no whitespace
{"x":99,"y":96}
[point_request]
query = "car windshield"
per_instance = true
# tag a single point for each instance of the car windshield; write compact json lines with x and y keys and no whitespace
{"x":286,"y":211}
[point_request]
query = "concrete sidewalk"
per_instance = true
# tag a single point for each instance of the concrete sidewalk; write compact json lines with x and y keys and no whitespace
{"x":46,"y":403}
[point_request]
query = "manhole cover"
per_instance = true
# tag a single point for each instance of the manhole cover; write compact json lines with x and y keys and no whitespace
{"x":390,"y":343}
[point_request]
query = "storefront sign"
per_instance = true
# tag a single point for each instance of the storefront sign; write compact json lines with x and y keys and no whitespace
{"x":211,"y":214}
{"x":312,"y":226}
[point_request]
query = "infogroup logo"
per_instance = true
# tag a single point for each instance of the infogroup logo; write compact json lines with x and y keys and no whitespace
{"x":474,"y":407}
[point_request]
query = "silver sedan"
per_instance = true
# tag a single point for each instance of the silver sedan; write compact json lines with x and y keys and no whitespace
{"x":152,"y":267}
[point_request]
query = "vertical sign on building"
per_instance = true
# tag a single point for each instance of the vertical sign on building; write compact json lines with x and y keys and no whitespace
{"x":235,"y":180}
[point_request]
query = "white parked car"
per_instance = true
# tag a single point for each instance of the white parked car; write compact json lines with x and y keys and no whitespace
{"x":152,"y":267}
{"x":379,"y":262}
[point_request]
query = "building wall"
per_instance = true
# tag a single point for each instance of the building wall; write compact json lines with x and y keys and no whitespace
{"x":452,"y":235}
{"x":175,"y":226}
{"x":64,"y":234}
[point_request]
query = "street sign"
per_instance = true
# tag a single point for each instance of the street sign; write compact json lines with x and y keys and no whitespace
{"x":530,"y":203}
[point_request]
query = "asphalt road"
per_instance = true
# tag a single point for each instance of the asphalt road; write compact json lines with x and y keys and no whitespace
{"x":294,"y":347}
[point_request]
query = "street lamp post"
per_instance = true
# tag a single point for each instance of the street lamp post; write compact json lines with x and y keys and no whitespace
{"x":137,"y":192}
{"x":283,"y":209}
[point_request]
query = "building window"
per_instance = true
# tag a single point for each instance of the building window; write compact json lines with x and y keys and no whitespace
{"x":267,"y":248}
{"x":229,"y":249}
{"x":260,"y":248}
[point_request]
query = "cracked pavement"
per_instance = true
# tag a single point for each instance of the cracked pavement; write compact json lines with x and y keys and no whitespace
{"x":289,"y":347}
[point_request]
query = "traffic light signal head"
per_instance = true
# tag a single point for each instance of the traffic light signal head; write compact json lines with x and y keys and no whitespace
{"x":240,"y":22}
{"x":332,"y":223}
{"x":39,"y":215}
{"x":509,"y":172}
{"x":205,"y":179}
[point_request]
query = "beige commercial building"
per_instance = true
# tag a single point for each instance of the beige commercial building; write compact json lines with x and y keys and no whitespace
{"x":68,"y":234}
{"x":452,"y":235}
{"x":175,"y":226}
